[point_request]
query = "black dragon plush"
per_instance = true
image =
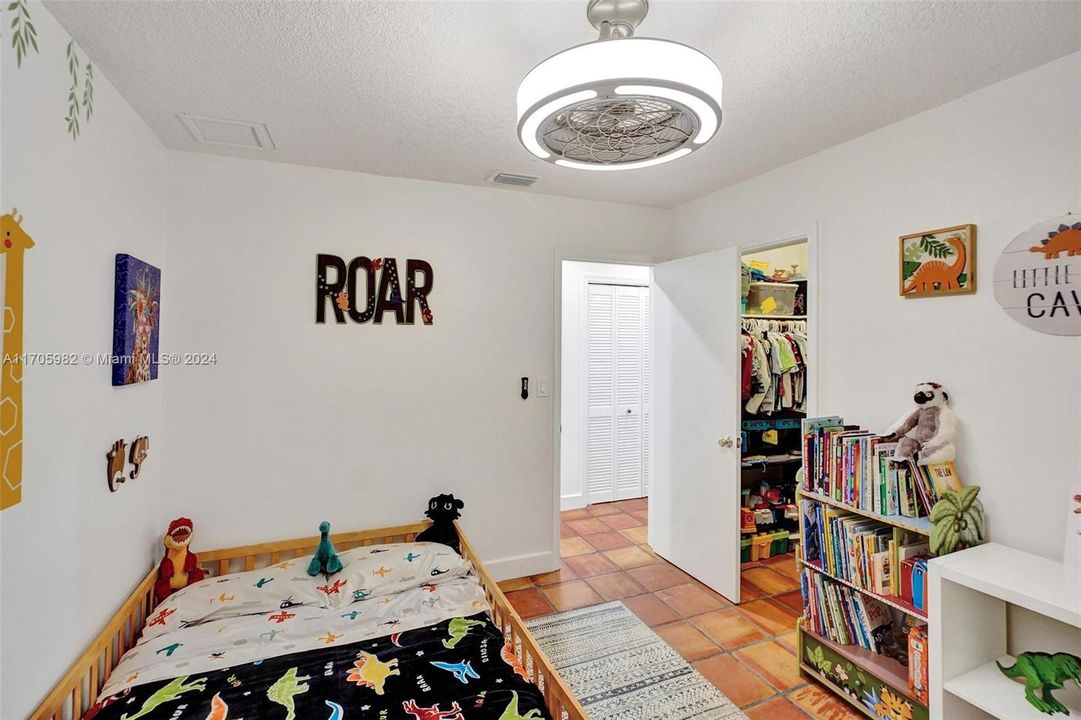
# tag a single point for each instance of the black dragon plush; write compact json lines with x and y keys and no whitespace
{"x":443,"y":511}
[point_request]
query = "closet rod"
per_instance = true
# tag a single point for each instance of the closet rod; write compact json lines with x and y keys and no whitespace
{"x":774,"y":317}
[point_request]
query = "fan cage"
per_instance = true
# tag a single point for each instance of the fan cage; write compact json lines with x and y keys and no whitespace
{"x":618,"y":129}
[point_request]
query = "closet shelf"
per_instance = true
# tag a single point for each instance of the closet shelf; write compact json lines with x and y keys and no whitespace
{"x":891,"y":600}
{"x":772,"y":461}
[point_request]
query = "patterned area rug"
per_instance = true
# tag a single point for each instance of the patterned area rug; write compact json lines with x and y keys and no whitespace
{"x":621,"y":670}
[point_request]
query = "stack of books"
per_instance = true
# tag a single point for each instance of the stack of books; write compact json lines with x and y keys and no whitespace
{"x":854,"y":466}
{"x":843,"y":615}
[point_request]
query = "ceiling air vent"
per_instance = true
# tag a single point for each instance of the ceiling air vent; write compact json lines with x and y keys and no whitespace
{"x":512,"y":179}
{"x":233,"y":133}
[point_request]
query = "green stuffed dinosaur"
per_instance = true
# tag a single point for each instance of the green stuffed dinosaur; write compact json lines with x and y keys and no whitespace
{"x":1043,"y":670}
{"x":325,"y":561}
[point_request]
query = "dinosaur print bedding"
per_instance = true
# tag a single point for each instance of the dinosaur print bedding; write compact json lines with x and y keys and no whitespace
{"x":457,"y":669}
{"x":399,"y":633}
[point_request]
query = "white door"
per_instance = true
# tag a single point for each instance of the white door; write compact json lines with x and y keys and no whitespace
{"x":694,"y":498}
{"x":617,"y":389}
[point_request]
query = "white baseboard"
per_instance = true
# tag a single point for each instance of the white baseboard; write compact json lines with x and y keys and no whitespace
{"x":572,"y":502}
{"x":522,"y":565}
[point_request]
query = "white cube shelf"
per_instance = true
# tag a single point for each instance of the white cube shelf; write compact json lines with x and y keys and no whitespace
{"x":969,"y":595}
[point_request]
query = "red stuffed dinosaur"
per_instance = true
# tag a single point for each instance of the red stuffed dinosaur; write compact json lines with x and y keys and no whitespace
{"x":179,"y":567}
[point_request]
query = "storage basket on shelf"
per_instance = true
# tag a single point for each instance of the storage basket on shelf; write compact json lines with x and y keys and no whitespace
{"x":782,"y":294}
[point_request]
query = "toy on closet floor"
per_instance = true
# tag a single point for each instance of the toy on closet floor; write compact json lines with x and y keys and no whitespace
{"x":179,"y":568}
{"x":1044,"y":671}
{"x":443,"y":511}
{"x":765,"y":496}
{"x":926,"y":435}
{"x":325,"y":562}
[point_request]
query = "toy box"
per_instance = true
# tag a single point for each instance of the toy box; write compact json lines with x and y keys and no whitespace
{"x":760,"y":546}
{"x":778,"y":542}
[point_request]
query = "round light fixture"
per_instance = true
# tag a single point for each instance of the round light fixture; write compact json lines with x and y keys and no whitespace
{"x":619,"y":102}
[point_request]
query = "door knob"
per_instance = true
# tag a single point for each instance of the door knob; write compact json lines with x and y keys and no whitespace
{"x":726,"y":441}
{"x":628,"y":411}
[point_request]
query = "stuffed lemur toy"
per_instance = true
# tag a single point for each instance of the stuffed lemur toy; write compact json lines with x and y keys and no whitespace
{"x":928,"y":432}
{"x":443,"y":511}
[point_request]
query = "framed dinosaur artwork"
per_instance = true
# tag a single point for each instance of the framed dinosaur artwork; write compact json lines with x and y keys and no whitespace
{"x":136,"y":316}
{"x":938,"y":262}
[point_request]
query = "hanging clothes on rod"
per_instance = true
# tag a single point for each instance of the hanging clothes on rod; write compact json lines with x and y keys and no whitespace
{"x":774,"y":371}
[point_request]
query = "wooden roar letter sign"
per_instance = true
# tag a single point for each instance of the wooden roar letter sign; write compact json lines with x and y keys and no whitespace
{"x":377,"y":282}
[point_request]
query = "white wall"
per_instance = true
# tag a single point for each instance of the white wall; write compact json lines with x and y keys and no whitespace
{"x":1004,"y":158}
{"x":782,"y":258}
{"x":572,"y":372}
{"x":71,"y":551}
{"x":361,"y":424}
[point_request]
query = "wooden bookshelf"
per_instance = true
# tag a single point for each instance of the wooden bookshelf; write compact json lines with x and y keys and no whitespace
{"x":882,"y":681}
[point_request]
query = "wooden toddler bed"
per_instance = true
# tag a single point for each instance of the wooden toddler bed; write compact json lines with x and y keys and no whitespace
{"x":78,"y":689}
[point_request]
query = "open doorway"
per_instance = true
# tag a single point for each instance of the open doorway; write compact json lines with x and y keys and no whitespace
{"x":776,"y":359}
{"x":606,"y":383}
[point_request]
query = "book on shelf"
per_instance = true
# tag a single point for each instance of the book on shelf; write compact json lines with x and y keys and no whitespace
{"x":844,"y":615}
{"x":907,"y":552}
{"x":812,"y":533}
{"x":942,"y":477}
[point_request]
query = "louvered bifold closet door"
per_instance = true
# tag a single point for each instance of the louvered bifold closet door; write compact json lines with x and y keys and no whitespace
{"x":617,"y":374}
{"x":647,"y":389}
{"x":628,"y":363}
{"x":600,"y":394}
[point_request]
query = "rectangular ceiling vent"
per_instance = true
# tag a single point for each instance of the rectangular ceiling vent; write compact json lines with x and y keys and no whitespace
{"x":232,"y":133}
{"x":512,"y":179}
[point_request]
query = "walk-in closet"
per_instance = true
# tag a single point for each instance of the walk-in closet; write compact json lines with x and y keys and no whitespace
{"x":774,"y":388}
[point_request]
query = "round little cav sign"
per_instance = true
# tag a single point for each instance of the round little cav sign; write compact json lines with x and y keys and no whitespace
{"x":1038,"y":277}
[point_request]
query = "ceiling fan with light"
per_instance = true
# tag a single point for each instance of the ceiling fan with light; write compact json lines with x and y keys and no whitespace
{"x":619,"y":102}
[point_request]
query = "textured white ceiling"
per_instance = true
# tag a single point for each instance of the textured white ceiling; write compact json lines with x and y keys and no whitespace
{"x":426,"y":89}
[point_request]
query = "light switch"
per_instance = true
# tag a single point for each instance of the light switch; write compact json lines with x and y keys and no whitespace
{"x":544,"y":387}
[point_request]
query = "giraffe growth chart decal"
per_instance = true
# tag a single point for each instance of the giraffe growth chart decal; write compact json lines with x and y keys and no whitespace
{"x":15,"y":243}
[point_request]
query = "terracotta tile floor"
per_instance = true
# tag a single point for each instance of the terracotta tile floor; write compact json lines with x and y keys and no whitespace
{"x":747,"y":651}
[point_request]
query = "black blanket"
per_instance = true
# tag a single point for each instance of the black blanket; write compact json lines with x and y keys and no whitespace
{"x":455,"y":670}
